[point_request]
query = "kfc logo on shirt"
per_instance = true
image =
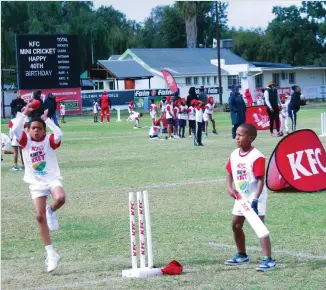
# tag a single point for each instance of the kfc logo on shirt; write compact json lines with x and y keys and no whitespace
{"x":300,"y":159}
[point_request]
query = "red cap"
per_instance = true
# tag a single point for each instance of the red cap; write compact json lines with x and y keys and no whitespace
{"x":173,"y":268}
{"x":131,"y":102}
{"x":168,"y":98}
{"x":193,"y":102}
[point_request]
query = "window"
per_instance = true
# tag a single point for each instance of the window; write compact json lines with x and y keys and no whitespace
{"x":188,"y":81}
{"x":291,"y":78}
{"x":203,"y":80}
{"x":276,"y":79}
{"x":215,"y":80}
{"x":99,"y":86}
{"x":208,"y":80}
{"x":195,"y":80}
{"x":234,"y":80}
{"x":111,"y":85}
{"x":259,"y":81}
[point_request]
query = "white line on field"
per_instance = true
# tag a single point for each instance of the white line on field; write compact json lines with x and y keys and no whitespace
{"x":305,"y":256}
{"x":129,"y":188}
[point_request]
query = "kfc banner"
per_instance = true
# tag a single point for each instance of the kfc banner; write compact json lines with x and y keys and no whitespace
{"x":170,"y":81}
{"x":70,"y":97}
{"x":257,"y":116}
{"x":298,"y":162}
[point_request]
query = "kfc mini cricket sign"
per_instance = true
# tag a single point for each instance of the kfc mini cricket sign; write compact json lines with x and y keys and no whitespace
{"x":299,"y":162}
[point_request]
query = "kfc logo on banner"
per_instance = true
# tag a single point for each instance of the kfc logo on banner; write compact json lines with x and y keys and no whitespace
{"x":170,"y":81}
{"x":257,"y":116}
{"x":298,"y":161}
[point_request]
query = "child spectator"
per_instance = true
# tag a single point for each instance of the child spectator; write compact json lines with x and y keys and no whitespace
{"x":17,"y":149}
{"x":175,"y":120}
{"x":96,"y":108}
{"x":169,"y":116}
{"x":182,"y":118}
{"x":62,"y":112}
{"x":192,"y":118}
{"x":199,"y":124}
{"x":155,"y":130}
{"x":153,"y":111}
{"x":209,"y":115}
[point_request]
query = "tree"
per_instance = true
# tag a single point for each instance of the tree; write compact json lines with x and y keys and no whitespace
{"x":189,"y":12}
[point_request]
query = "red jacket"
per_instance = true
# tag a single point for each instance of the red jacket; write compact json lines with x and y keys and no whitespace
{"x":105,"y":102}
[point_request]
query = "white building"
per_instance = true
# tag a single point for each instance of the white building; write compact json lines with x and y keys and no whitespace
{"x":198,"y":67}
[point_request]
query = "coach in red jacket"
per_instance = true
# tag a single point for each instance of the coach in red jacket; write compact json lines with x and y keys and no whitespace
{"x":105,"y":106}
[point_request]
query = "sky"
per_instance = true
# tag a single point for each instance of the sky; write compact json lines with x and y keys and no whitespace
{"x":245,"y":13}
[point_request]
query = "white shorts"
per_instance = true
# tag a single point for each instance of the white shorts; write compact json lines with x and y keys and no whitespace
{"x":14,"y":142}
{"x":153,"y":116}
{"x":38,"y":190}
{"x":207,"y":117}
{"x":262,"y":202}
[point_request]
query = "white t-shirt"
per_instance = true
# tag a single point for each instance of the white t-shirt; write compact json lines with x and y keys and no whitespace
{"x":285,"y":107}
{"x":183,"y":113}
{"x":191,"y":113}
{"x":5,"y":142}
{"x":131,"y":108}
{"x":163,"y":106}
{"x":154,"y":131}
{"x":169,"y":111}
{"x":152,"y":110}
{"x":62,"y":110}
{"x":245,"y":168}
{"x":41,"y":165}
{"x":199,"y":114}
{"x":134,"y":116}
{"x":209,"y":109}
{"x":96,"y":107}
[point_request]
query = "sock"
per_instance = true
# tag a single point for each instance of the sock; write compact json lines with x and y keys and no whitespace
{"x":49,"y":249}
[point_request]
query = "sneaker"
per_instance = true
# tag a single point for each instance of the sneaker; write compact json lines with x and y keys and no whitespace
{"x":191,"y":136}
{"x":280,"y":134}
{"x":14,"y":168}
{"x":238,"y":260}
{"x":200,"y":144}
{"x":215,"y":132}
{"x":176,"y":137}
{"x":271,"y":134}
{"x":52,"y":261}
{"x":51,"y":219}
{"x":195,"y":144}
{"x":266,"y":265}
{"x":206,"y":135}
{"x":22,"y":168}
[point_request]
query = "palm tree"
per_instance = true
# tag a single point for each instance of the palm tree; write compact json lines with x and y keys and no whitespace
{"x":189,"y":12}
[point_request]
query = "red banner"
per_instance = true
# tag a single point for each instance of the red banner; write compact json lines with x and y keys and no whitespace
{"x":170,"y":81}
{"x":298,"y":162}
{"x":70,"y":97}
{"x":257,"y":115}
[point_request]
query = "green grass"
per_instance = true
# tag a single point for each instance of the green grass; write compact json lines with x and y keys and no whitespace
{"x":100,"y":164}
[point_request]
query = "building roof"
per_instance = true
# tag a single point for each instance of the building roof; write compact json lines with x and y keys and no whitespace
{"x":114,"y":57}
{"x":123,"y":69}
{"x":183,"y":61}
{"x":270,"y":64}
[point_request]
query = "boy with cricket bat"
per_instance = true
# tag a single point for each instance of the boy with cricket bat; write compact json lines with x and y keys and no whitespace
{"x":246,"y":169}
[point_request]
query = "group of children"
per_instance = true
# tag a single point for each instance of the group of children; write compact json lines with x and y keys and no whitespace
{"x":171,"y":117}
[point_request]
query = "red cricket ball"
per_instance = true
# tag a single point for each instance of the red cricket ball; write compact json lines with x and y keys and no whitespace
{"x":35,"y":104}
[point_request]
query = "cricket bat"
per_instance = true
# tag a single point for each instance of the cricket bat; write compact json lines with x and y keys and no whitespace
{"x":252,"y":218}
